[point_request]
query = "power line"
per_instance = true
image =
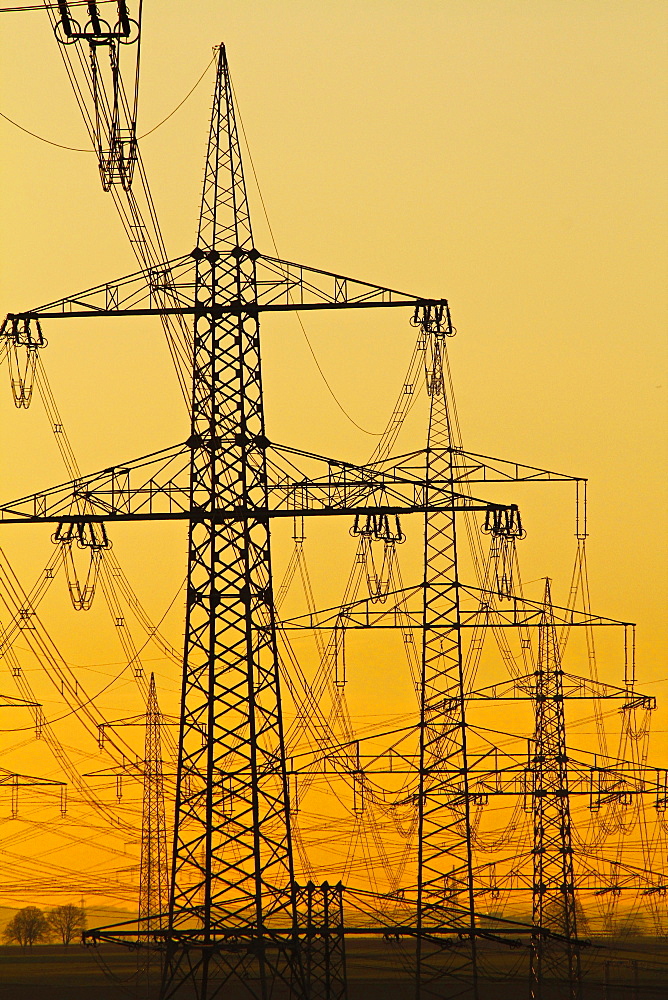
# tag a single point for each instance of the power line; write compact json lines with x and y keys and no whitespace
{"x":299,"y":319}
{"x":49,"y":6}
{"x":50,"y":142}
{"x":180,"y":104}
{"x":79,"y":149}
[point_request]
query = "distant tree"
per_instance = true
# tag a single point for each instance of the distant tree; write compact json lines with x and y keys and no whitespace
{"x":632,"y":924}
{"x":66,"y":921}
{"x":554,"y":917}
{"x":27,"y":926}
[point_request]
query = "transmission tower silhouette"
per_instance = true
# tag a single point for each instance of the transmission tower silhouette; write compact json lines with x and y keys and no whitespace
{"x":153,"y":873}
{"x":555,"y":956}
{"x":445,"y":875}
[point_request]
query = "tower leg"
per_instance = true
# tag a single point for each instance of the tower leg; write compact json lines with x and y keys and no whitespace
{"x":320,"y":911}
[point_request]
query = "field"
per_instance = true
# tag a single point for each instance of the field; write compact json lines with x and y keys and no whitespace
{"x":377,"y":970}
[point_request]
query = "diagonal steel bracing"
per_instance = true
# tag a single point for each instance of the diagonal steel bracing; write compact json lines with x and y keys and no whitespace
{"x":232,"y":860}
{"x":445,"y":883}
{"x":555,"y":956}
{"x":153,"y":874}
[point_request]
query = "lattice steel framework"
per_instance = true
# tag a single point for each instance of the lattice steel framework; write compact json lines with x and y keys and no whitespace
{"x":232,"y":861}
{"x":153,"y":875}
{"x":555,"y":957}
{"x":320,"y":912}
{"x":445,"y":881}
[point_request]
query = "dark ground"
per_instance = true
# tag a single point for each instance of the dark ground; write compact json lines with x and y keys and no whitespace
{"x":377,"y":970}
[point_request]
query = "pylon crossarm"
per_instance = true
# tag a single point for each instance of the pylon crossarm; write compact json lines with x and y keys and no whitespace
{"x":497,"y":770}
{"x":165,"y":288}
{"x":27,"y":780}
{"x":574,"y":688}
{"x":139,"y":720}
{"x":618,"y":876}
{"x":169,"y":289}
{"x":610,"y":785}
{"x":286,"y":285}
{"x":364,"y":613}
{"x":108,"y":494}
{"x":301,"y":479}
{"x":617,"y":781}
{"x":294,"y":466}
{"x":412,"y":465}
{"x":594,"y":874}
{"x":487,"y":783}
{"x":158,"y":487}
{"x":225,"y":937}
{"x":133,"y":769}
{"x":7,"y":701}
{"x":588,"y":758}
{"x":396,"y":612}
{"x":482,"y":605}
{"x":474,"y":468}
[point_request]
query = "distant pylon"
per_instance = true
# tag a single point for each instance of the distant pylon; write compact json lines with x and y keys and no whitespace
{"x":153,"y":886}
{"x":232,"y":873}
{"x":555,"y":957}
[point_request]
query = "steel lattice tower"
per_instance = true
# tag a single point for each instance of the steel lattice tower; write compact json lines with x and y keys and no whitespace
{"x":233,"y":898}
{"x":153,"y":883}
{"x":232,"y":861}
{"x":445,"y":882}
{"x":555,"y":958}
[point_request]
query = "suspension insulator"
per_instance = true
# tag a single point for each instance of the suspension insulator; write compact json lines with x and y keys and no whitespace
{"x":377,"y":528}
{"x":124,"y":25}
{"x":87,"y":534}
{"x":91,"y":535}
{"x":25,"y":338}
{"x":97,"y":30}
{"x":504,"y":522}
{"x":433,"y":317}
{"x":67,"y":29}
{"x":339,"y":640}
{"x":23,"y":331}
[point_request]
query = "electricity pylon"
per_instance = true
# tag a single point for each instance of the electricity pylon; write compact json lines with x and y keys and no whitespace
{"x":232,"y":862}
{"x":232,"y":906}
{"x":445,"y":881}
{"x":9,"y":779}
{"x":153,"y":880}
{"x":555,"y":955}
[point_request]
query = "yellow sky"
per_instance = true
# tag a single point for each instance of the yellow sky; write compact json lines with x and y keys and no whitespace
{"x":511,"y":157}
